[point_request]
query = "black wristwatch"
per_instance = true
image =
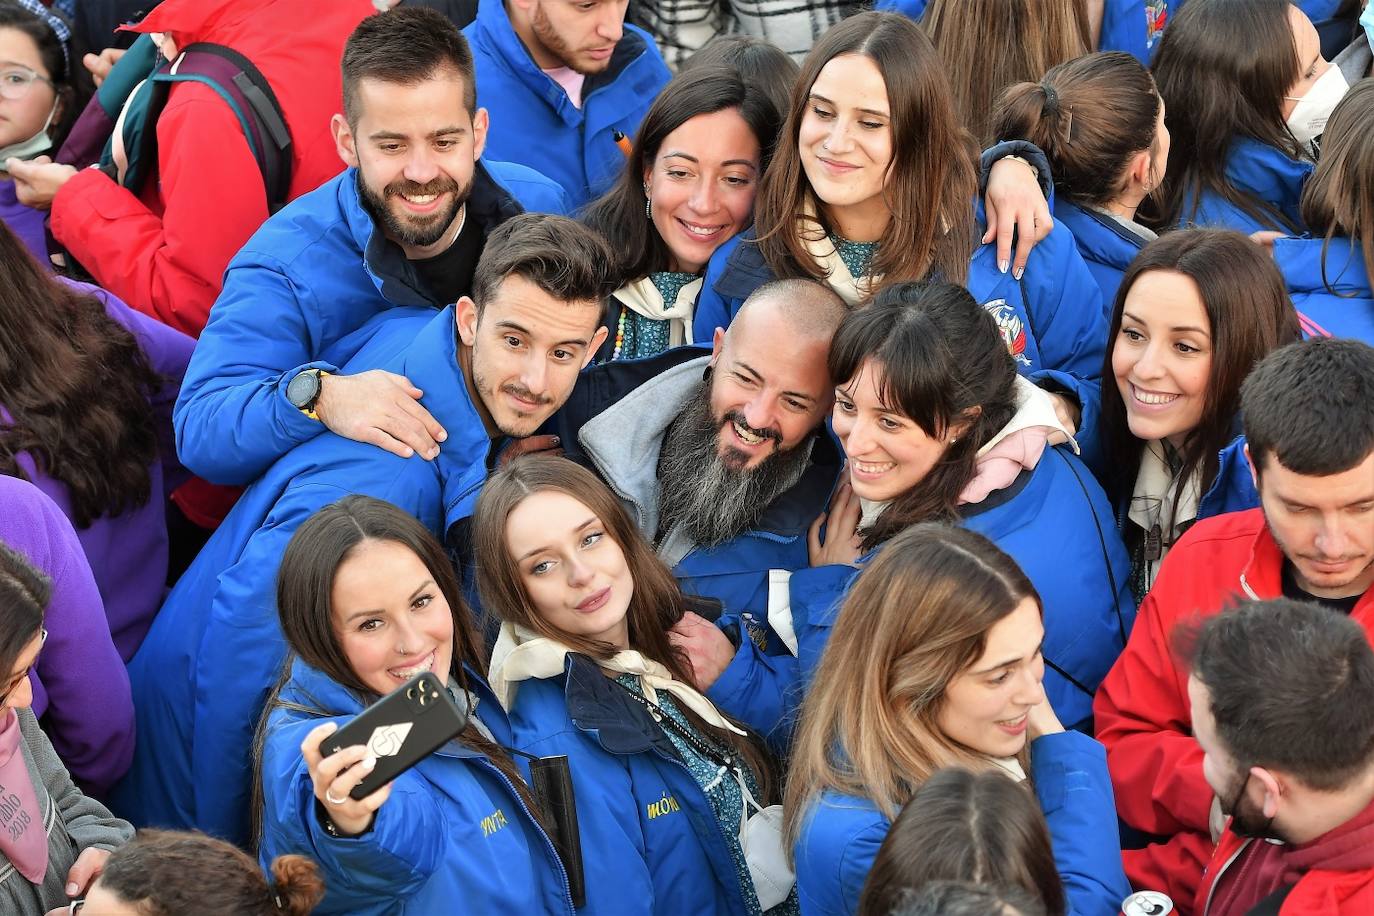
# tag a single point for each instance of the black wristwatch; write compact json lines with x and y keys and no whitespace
{"x":303,"y":391}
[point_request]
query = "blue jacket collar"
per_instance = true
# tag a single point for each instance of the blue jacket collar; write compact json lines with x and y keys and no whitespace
{"x":599,"y":705}
{"x":494,"y":22}
{"x":431,"y":363}
{"x":1267,"y":173}
{"x":1099,"y":237}
{"x":488,"y":205}
{"x":745,"y":269}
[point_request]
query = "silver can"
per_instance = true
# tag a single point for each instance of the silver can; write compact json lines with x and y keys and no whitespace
{"x":1147,"y":903}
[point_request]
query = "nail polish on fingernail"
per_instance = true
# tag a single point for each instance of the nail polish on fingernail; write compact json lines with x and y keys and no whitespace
{"x":1019,"y":272}
{"x":443,"y":436}
{"x":369,"y":761}
{"x":1003,"y":265}
{"x":72,"y":890}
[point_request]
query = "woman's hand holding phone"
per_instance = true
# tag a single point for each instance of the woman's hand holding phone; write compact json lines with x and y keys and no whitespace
{"x":337,"y":775}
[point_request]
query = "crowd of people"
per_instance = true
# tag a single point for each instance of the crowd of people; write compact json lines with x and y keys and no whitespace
{"x":901,"y":461}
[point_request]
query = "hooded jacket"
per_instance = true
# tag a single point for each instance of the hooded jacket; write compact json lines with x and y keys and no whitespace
{"x":1142,"y":711}
{"x":454,"y":828}
{"x":535,"y":123}
{"x":1256,"y":170}
{"x":80,"y":687}
{"x":615,"y":422}
{"x":1107,"y":246}
{"x":202,"y":674}
{"x":128,"y":552}
{"x":1332,"y":294}
{"x":164,"y":250}
{"x":1054,"y":520}
{"x":840,"y":834}
{"x":651,"y":843}
{"x":1332,"y":875}
{"x":300,"y":295}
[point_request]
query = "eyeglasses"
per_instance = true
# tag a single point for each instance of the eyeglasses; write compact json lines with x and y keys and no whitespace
{"x":16,"y":81}
{"x":13,"y":685}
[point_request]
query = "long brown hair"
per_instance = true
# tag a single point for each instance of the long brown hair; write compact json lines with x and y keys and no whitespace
{"x":655,"y":605}
{"x":1250,"y":315}
{"x":1338,"y":199}
{"x":944,"y":363}
{"x":77,"y":386}
{"x":931,"y":178}
{"x":305,"y":588}
{"x":916,"y":618}
{"x":1017,"y":40}
{"x":1090,"y":116}
{"x":1223,"y":68}
{"x":963,"y":826}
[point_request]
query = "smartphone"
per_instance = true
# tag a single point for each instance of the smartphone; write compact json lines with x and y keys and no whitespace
{"x":401,"y":729}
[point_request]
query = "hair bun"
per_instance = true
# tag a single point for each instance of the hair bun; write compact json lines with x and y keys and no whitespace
{"x":296,"y":884}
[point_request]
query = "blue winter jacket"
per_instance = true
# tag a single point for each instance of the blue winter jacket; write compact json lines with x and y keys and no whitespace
{"x":650,"y":840}
{"x":1052,"y":318}
{"x":1260,"y":171}
{"x":454,"y":828}
{"x":200,"y":678}
{"x":735,"y":573}
{"x":298,"y":296}
{"x":1342,"y":304}
{"x":1106,"y":246}
{"x":841,"y":834}
{"x":533,"y":121}
{"x":1134,"y":26}
{"x":1056,"y":522}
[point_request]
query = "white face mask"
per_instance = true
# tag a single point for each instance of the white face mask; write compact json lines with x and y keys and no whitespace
{"x":1309,"y":116}
{"x":27,"y":149}
{"x":1367,"y":20}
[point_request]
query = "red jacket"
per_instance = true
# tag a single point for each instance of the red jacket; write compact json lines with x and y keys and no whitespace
{"x":1332,"y":875}
{"x":164,"y":252}
{"x":1142,"y":712}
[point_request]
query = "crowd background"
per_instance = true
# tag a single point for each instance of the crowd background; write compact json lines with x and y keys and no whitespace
{"x":889,"y":461}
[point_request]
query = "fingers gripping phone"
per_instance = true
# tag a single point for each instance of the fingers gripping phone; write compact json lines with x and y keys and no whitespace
{"x":401,"y":729}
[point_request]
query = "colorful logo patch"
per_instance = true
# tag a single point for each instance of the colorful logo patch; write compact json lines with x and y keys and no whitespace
{"x":1012,"y":327}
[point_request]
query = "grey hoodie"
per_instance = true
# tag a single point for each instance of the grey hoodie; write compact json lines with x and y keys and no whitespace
{"x":73,"y":821}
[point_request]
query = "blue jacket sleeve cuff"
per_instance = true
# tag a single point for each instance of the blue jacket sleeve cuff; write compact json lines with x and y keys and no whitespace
{"x":1027,"y":151}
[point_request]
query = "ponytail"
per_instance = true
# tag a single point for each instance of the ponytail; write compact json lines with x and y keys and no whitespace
{"x":1090,"y":116}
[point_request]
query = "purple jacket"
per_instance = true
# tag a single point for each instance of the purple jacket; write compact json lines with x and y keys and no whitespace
{"x":128,"y":553}
{"x":25,"y":222}
{"x":80,"y":686}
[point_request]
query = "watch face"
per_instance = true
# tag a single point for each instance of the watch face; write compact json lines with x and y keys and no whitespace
{"x":302,"y":389}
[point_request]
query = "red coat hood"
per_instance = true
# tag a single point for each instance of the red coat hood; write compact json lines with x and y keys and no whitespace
{"x":189,"y":21}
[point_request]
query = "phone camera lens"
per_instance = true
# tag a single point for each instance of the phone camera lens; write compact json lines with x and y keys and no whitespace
{"x":410,"y":693}
{"x":423,"y":698}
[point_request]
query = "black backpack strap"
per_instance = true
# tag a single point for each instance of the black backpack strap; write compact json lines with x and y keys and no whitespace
{"x":1271,"y":905}
{"x":273,"y":145}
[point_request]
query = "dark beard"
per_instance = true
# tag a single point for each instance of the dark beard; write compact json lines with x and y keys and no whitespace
{"x":405,"y":233}
{"x":710,"y":497}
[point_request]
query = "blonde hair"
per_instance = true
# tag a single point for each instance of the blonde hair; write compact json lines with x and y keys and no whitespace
{"x":916,"y":618}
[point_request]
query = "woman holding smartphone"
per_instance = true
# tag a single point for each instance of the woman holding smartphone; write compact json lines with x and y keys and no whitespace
{"x":667,"y":787}
{"x":368,"y":600}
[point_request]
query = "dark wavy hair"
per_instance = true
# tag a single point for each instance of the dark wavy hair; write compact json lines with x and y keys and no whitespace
{"x":618,"y":215}
{"x":77,"y":386}
{"x":1223,"y":68}
{"x":944,"y":363}
{"x":1249,"y":315}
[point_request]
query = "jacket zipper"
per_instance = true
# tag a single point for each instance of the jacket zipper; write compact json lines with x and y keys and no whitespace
{"x":548,"y":843}
{"x":1207,"y":905}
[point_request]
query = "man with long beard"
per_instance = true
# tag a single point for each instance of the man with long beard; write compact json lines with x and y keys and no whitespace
{"x":566,"y":81}
{"x":722,"y":459}
{"x":401,"y":228}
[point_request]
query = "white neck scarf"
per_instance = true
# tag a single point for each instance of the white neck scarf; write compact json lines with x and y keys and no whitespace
{"x":849,"y":288}
{"x":521,"y":654}
{"x":643,"y":298}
